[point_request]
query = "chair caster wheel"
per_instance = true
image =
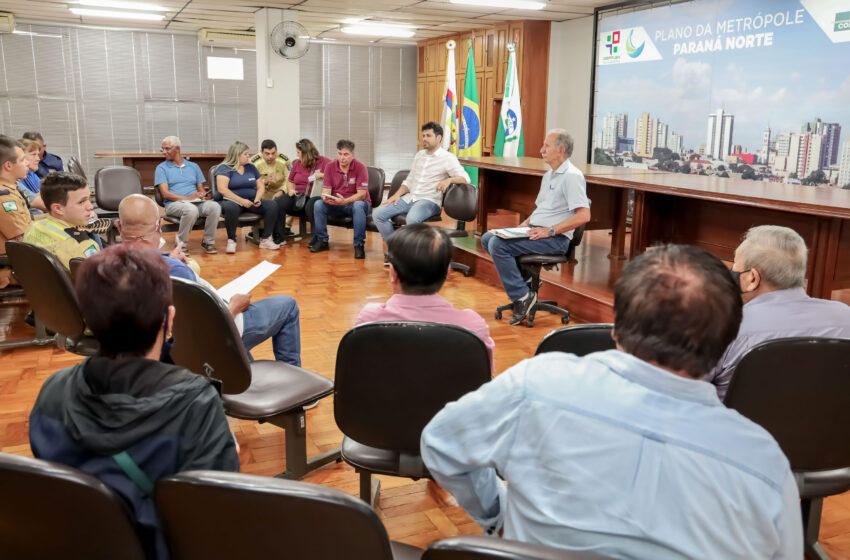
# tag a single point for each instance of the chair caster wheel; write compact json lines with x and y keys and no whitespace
{"x":529,"y":323}
{"x":498,"y":315}
{"x":565,"y":320}
{"x":467,"y":274}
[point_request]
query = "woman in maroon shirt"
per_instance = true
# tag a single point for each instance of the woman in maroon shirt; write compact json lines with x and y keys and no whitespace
{"x":305,"y":170}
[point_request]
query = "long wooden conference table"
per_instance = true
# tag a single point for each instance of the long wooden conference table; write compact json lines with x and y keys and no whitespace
{"x":146,"y":163}
{"x":709,"y":212}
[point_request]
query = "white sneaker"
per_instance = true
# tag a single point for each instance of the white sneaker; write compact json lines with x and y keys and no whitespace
{"x":267,"y":243}
{"x":231,"y":246}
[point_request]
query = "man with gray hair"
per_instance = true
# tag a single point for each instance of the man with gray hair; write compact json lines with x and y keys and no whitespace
{"x":770,"y":271}
{"x":562,"y":206}
{"x":181,"y":183}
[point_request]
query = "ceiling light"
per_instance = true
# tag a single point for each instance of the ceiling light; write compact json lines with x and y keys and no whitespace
{"x":138,"y":6}
{"x":116,"y":14}
{"x":379,"y":29}
{"x":506,"y":4}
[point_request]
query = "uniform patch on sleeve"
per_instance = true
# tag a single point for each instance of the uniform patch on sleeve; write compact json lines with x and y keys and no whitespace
{"x":10,"y":206}
{"x":91,"y":251}
{"x":364,"y":184}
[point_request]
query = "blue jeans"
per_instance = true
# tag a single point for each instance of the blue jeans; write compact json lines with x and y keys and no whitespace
{"x":356,"y":210}
{"x":505,"y":251}
{"x":417,"y":212}
{"x":275,"y":317}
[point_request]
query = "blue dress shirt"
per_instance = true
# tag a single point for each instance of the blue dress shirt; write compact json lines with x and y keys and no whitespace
{"x":780,"y":314}
{"x":612,"y":455}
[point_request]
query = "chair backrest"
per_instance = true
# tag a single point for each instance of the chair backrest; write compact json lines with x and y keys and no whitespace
{"x":390,"y":382}
{"x":579,"y":339}
{"x":376,"y":185}
{"x":48,"y":288}
{"x":491,"y":548}
{"x":157,"y":196}
{"x":461,"y":202}
{"x":75,"y":167}
{"x":798,"y":389}
{"x":261,"y":517}
{"x":205,"y":337}
{"x":398,"y":178}
{"x":113,"y":183}
{"x":53,"y":511}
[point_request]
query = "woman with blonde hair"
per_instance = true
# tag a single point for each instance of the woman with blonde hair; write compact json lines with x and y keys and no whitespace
{"x":241,"y":190}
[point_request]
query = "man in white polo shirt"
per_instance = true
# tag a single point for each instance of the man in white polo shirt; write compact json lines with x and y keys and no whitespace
{"x":421,"y":194}
{"x":181,"y":183}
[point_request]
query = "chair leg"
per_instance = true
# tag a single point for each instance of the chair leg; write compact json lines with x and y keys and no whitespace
{"x":303,"y":223}
{"x":812,"y":509}
{"x":297,"y":464}
{"x":254,"y":236}
{"x":461,"y":268}
{"x":41,"y":338}
{"x":370,"y":488}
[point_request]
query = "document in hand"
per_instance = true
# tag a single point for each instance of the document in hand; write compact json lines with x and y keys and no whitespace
{"x":511,"y":233}
{"x":331,"y":196}
{"x":248,"y":281}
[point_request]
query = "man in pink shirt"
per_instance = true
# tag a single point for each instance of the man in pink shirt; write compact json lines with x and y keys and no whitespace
{"x":419,"y":258}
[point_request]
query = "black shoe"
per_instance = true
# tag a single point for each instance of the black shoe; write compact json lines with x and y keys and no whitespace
{"x":320,"y":246}
{"x":287,"y":232}
{"x":522,"y":307}
{"x":359,"y":252}
{"x":313,"y":242}
{"x":29,"y":319}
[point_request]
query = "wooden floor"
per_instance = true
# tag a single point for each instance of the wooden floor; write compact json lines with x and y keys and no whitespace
{"x":330,"y":289}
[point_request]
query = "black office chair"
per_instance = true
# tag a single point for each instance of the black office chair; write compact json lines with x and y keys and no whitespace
{"x":530,"y":265}
{"x":206,"y":342}
{"x":460,"y":203}
{"x":52,"y":296}
{"x":53,"y":511}
{"x":580,"y":340}
{"x":260,"y":517}
{"x":492,"y":548}
{"x":253,"y":220}
{"x":75,"y":167}
{"x":111,"y":185}
{"x":172,"y":223}
{"x":15,"y":293}
{"x":798,"y":389}
{"x":376,"y":194}
{"x":389,"y":384}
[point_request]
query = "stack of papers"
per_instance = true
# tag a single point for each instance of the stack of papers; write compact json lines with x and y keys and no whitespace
{"x":248,"y":281}
{"x":511,"y":233}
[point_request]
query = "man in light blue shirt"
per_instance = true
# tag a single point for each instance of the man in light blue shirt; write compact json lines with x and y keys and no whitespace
{"x":626,"y":453}
{"x":562,"y":206}
{"x":770,"y":270}
{"x":181,"y":184}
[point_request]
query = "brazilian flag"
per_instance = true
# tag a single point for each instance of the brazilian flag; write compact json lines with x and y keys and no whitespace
{"x":470,"y":125}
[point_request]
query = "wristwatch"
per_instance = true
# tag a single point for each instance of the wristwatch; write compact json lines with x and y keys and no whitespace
{"x":552,"y":232}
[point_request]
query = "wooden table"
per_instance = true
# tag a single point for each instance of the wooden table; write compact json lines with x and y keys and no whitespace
{"x":709,"y":212}
{"x":146,"y":164}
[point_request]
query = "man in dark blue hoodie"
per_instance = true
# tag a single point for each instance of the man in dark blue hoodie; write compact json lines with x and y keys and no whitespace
{"x":122,"y":415}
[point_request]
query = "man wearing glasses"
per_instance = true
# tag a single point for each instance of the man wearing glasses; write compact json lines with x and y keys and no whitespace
{"x":181,"y":183}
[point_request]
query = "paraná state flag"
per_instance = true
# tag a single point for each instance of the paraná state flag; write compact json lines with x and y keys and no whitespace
{"x":451,"y":107}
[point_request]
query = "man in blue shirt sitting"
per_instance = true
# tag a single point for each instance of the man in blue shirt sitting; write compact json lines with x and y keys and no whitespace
{"x":49,"y":162}
{"x":626,"y":453}
{"x":275,"y":317}
{"x":181,"y":183}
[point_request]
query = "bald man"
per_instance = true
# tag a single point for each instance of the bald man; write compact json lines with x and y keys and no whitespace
{"x":276,"y":317}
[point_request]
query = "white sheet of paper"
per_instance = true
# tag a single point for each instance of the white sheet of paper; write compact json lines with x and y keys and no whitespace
{"x":248,"y":281}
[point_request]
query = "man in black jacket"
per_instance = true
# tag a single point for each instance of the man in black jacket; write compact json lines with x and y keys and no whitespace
{"x":122,"y":415}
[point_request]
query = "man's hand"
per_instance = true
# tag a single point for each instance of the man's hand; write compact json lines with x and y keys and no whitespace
{"x":443,"y":185}
{"x":177,"y":253}
{"x":246,"y":203}
{"x":197,"y":196}
{"x":538,"y":233}
{"x":392,"y":200}
{"x":318,"y":175}
{"x":257,"y":201}
{"x":239,"y":303}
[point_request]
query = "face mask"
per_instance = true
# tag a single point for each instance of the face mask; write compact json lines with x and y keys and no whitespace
{"x":736,"y":278}
{"x":161,"y":242}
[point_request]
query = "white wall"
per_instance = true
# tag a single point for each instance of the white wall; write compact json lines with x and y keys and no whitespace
{"x":570,"y":62}
{"x":278,"y":100}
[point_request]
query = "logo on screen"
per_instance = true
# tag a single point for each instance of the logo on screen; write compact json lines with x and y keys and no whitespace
{"x":842,"y":21}
{"x":612,"y":42}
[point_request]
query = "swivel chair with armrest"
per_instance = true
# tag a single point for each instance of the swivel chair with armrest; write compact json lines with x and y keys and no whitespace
{"x":376,"y":194}
{"x":531,"y":265}
{"x":111,"y":185}
{"x":253,"y":220}
{"x":798,"y":389}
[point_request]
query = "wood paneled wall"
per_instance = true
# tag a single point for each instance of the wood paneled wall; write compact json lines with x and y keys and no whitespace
{"x":491,"y":65}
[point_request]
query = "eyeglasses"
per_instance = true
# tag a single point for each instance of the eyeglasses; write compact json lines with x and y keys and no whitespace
{"x":164,"y":149}
{"x":146,"y":236}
